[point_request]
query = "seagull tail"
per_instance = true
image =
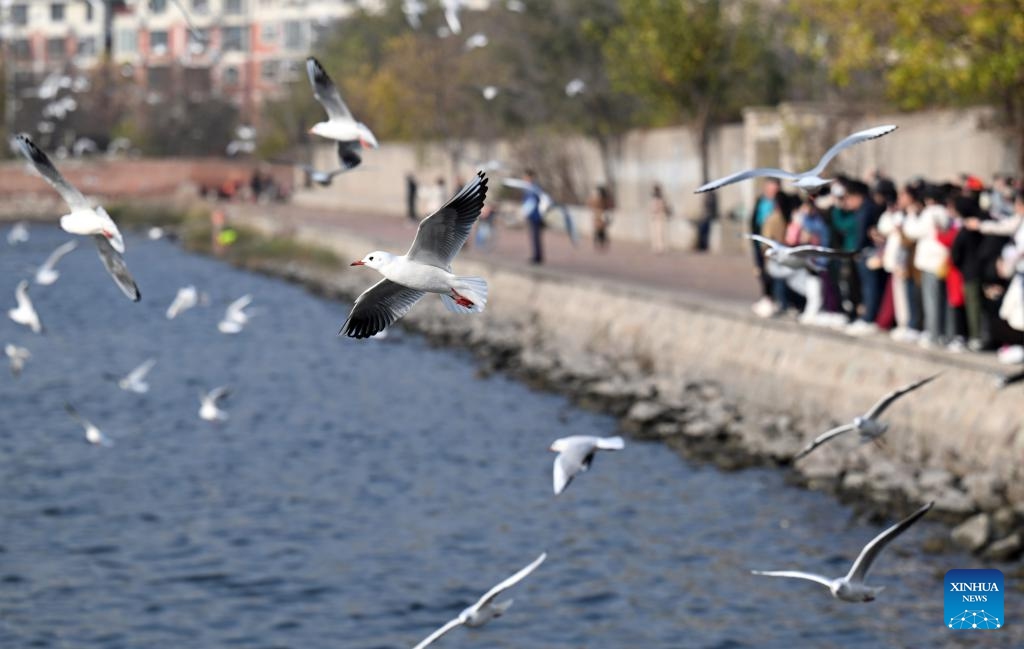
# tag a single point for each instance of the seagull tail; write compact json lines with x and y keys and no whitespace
{"x":473,"y":289}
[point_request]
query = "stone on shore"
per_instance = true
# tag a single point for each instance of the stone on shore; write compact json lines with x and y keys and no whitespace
{"x":972,"y":534}
{"x":1005,"y":549}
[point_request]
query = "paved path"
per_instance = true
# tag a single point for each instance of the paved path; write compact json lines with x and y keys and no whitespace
{"x":723,"y":277}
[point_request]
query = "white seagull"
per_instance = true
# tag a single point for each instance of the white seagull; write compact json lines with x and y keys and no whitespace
{"x":135,"y":381}
{"x":451,"y":15}
{"x":807,"y":180}
{"x":93,"y":435}
{"x":425,"y":268}
{"x":476,"y":41}
{"x":490,"y":92}
{"x":851,"y":588}
{"x":867,"y":425}
{"x":18,"y":233}
{"x":208,"y":410}
{"x":545,"y":203}
{"x":17,"y":357}
{"x":485,"y":609}
{"x":84,"y":219}
{"x":186,"y":298}
{"x":576,"y":453}
{"x":340,"y":126}
{"x":47,"y":273}
{"x":25,"y":313}
{"x":413,"y":9}
{"x":797,"y":256}
{"x":575,"y":87}
{"x":235,"y":317}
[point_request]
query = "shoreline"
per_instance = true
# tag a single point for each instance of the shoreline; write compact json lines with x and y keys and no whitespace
{"x":699,"y":415}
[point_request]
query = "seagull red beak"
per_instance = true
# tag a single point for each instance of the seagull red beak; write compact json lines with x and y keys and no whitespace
{"x":358,"y":263}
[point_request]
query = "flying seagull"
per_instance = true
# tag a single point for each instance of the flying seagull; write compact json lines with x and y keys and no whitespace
{"x":413,"y":9}
{"x":545,"y":203}
{"x":575,"y":87}
{"x":576,"y":453}
{"x":425,"y":268}
{"x":485,"y":609}
{"x":235,"y":317}
{"x":18,"y":233}
{"x":798,"y":256}
{"x":340,"y":125}
{"x":476,"y":41}
{"x":208,"y":410}
{"x":84,"y":219}
{"x":47,"y":273}
{"x":451,"y":15}
{"x":186,"y":298}
{"x":807,"y":180}
{"x":17,"y":357}
{"x":323,"y":178}
{"x":851,"y":588}
{"x":867,"y":425}
{"x":93,"y":435}
{"x":135,"y":381}
{"x":25,"y":312}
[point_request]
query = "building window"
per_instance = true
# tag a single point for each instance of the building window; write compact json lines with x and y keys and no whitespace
{"x":294,"y":35}
{"x":22,"y":49}
{"x":268,"y":70}
{"x":157,"y":6}
{"x":269,"y":32}
{"x":197,"y":44}
{"x":231,"y":76}
{"x":55,"y":48}
{"x":201,"y":6}
{"x":57,"y":12}
{"x":19,"y":15}
{"x":235,"y":39}
{"x":158,"y":43}
{"x":126,"y":41}
{"x":87,"y":47}
{"x":234,"y":7}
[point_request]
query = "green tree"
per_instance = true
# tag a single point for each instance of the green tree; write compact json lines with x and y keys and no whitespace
{"x":696,"y":60}
{"x":929,"y":52}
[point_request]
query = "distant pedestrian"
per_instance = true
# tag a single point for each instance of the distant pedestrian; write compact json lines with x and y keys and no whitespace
{"x":772,"y":201}
{"x":436,"y":199}
{"x":661,"y":212}
{"x":601,"y":205}
{"x":411,"y":187}
{"x":534,"y":219}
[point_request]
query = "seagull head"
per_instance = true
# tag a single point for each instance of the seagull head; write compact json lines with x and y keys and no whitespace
{"x":557,"y":446}
{"x":375,"y":260}
{"x":318,"y":129}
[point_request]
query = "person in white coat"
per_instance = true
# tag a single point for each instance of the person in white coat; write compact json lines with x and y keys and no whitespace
{"x":932,"y":259}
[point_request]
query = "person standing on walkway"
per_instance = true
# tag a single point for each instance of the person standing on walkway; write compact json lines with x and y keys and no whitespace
{"x":601,"y":205}
{"x":534,"y":219}
{"x":771,"y":201}
{"x":436,"y":198}
{"x":411,"y":188}
{"x":661,"y":212}
{"x":932,"y":259}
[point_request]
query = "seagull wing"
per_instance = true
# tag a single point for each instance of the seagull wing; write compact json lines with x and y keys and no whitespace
{"x":510,"y":582}
{"x":824,"y":437}
{"x":236,"y":308}
{"x":441,"y":235}
{"x":803,"y":252}
{"x":326,"y":92}
{"x":114,"y":263}
{"x":140,"y":372}
{"x":856,"y":138}
{"x":378,"y":308}
{"x":877,"y":410}
{"x":21,"y":295}
{"x":764,"y":240}
{"x":70,"y":409}
{"x":871,"y":551}
{"x":1010,"y":379}
{"x":763,"y":172}
{"x":451,"y":624}
{"x":218,"y":393}
{"x":42,"y":164}
{"x":348,"y":154}
{"x":58,"y":254}
{"x":562,"y":474}
{"x":795,"y":574}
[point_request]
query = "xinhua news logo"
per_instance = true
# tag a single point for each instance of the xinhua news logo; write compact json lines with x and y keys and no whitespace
{"x":974,"y":600}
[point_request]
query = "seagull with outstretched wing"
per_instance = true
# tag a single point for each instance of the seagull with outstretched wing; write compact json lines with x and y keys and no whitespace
{"x":47,"y":273}
{"x":340,"y":126}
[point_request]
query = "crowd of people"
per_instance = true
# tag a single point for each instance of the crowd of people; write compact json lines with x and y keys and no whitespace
{"x":937,"y":264}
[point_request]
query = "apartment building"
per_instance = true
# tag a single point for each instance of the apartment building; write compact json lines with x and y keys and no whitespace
{"x":44,"y":35}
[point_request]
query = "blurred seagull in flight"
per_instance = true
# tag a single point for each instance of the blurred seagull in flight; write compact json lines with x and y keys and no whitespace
{"x":867,"y":425}
{"x":851,"y":588}
{"x":797,"y":256}
{"x":235,"y":317}
{"x":476,"y":41}
{"x":84,"y":219}
{"x":93,"y":435}
{"x":575,"y":87}
{"x":425,"y":268}
{"x":485,"y":609}
{"x":413,"y":9}
{"x":807,"y":180}
{"x":186,"y":298}
{"x":575,"y":455}
{"x":340,"y":126}
{"x":18,"y":233}
{"x":135,"y":381}
{"x":208,"y":410}
{"x":47,"y":273}
{"x":25,"y":312}
{"x":17,"y":357}
{"x":451,"y":15}
{"x":322,"y":178}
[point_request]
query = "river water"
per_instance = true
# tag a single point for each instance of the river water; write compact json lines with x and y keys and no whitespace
{"x":362,"y":493}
